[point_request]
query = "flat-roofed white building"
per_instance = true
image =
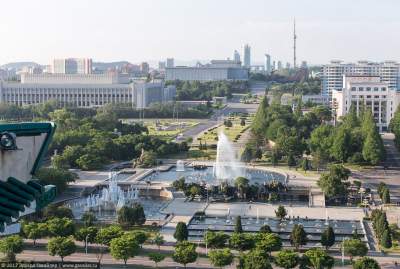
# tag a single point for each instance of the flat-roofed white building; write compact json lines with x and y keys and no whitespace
{"x":369,"y":92}
{"x":83,"y":90}
{"x":216,"y":70}
{"x":332,"y":74}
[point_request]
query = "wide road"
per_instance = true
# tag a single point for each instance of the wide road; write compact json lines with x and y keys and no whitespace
{"x":143,"y":260}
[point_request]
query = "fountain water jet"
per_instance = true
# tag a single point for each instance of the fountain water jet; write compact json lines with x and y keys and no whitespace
{"x":227,"y":165}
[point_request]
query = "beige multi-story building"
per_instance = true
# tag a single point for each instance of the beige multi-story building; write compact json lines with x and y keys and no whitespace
{"x":369,"y":92}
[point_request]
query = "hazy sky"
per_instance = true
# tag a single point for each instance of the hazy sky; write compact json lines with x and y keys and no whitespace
{"x":147,"y":30}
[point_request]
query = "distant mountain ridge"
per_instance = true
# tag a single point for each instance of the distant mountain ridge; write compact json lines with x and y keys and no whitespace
{"x":18,"y":65}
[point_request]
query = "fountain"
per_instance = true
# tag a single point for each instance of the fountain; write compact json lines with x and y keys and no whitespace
{"x":227,"y":165}
{"x":180,"y":166}
{"x":326,"y":217}
{"x":112,"y":197}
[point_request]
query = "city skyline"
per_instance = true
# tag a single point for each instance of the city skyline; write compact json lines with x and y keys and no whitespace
{"x":154,"y":30}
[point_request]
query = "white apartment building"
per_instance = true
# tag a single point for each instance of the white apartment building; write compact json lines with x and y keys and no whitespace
{"x":332,"y":74}
{"x":72,"y":66}
{"x":81,"y":91}
{"x":369,"y":92}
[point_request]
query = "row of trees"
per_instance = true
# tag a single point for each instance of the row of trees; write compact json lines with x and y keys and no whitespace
{"x":156,"y":110}
{"x":196,"y":90}
{"x":262,"y":244}
{"x":381,"y":228}
{"x":241,"y":189}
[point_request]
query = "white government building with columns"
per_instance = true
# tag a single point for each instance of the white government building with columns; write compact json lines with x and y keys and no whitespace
{"x":84,"y":90}
{"x":370,"y":92}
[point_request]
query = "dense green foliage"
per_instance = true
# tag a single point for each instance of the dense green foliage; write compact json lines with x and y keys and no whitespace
{"x":10,"y":246}
{"x":366,"y":263}
{"x":334,"y":183}
{"x":221,"y":258}
{"x":215,"y":239}
{"x":381,"y":227}
{"x":60,"y":227}
{"x":281,"y":212}
{"x":328,"y":237}
{"x":185,"y":252}
{"x":256,"y":259}
{"x":354,"y":247}
{"x":54,"y":176}
{"x":238,"y":224}
{"x":34,"y":230}
{"x":61,"y":246}
{"x":298,"y":236}
{"x":123,"y":248}
{"x":287,"y":259}
{"x":105,"y":235}
{"x":129,"y":216}
{"x":196,"y":90}
{"x":181,"y":232}
{"x":318,"y":259}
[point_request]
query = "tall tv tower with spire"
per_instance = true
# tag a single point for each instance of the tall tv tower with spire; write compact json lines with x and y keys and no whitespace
{"x":294,"y":44}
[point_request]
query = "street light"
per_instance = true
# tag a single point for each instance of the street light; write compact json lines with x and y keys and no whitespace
{"x":86,"y":239}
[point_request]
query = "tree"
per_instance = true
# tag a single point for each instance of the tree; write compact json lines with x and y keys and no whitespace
{"x":341,"y":144}
{"x":366,"y":263}
{"x":58,"y":177}
{"x":386,"y":239}
{"x":86,"y":235}
{"x":60,"y":227}
{"x":34,"y":230}
{"x":281,"y":212}
{"x":139,"y":218}
{"x":241,"y":184}
{"x":256,"y":259}
{"x":287,"y":259}
{"x":88,"y":219}
{"x":221,"y":258}
{"x":146,"y":160}
{"x":125,"y":216}
{"x":269,"y":242}
{"x":241,"y":241}
{"x":215,"y":239}
{"x":265,"y":229}
{"x":386,"y":196}
{"x":123,"y":248}
{"x":156,"y":258}
{"x":139,"y":236}
{"x":354,"y":247}
{"x":181,"y":232}
{"x":328,"y":237}
{"x":185,"y":252}
{"x":238,"y":225}
{"x":10,"y":246}
{"x":105,"y":235}
{"x":298,"y":237}
{"x":373,"y":150}
{"x":318,"y":258}
{"x":333,"y":183}
{"x":61,"y":246}
{"x":242,"y":121}
{"x":54,"y":211}
{"x":159,"y":240}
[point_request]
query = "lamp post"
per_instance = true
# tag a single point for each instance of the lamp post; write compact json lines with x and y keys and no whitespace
{"x":86,"y":246}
